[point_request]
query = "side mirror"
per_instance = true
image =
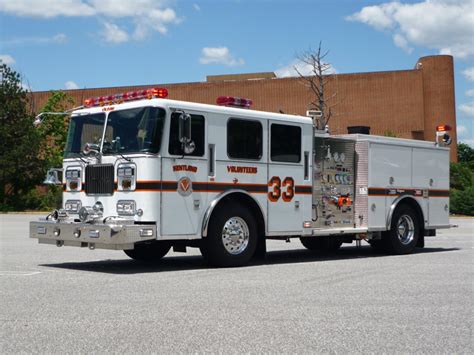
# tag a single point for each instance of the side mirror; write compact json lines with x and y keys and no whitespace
{"x":185,"y":128}
{"x":54,"y":177}
{"x":442,"y":138}
{"x":91,"y":148}
{"x":188,"y":145}
{"x":446,"y":139}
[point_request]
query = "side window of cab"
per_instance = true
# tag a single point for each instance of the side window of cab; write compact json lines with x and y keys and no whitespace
{"x":197,"y":135}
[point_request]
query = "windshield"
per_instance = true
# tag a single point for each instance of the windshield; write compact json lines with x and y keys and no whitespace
{"x":82,"y":130}
{"x":128,"y":131}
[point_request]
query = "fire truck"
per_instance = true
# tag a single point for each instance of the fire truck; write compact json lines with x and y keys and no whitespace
{"x":144,"y":174}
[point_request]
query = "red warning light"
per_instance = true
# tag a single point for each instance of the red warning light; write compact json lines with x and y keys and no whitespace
{"x":443,"y":128}
{"x":128,"y":96}
{"x":233,"y":101}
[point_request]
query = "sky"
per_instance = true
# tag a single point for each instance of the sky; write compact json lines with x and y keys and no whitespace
{"x":70,"y":44}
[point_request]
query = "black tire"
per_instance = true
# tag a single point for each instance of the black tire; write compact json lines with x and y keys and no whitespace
{"x":323,"y":244}
{"x":404,"y":232}
{"x":149,"y":252}
{"x":224,"y":247}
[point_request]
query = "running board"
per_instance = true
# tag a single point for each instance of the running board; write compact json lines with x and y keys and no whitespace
{"x":339,"y":231}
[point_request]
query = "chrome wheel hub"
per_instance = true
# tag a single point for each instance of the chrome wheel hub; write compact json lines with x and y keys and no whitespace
{"x":405,"y":229}
{"x":235,"y":235}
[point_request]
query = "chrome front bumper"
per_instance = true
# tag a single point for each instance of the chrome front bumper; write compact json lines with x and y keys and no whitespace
{"x":92,"y":236}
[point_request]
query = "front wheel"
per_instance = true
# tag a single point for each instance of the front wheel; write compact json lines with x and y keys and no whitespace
{"x":404,"y":232}
{"x":232,"y":237}
{"x":149,"y":252}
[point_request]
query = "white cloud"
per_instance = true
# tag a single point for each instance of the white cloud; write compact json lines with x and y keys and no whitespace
{"x":465,"y":132}
{"x":46,"y":8}
{"x":26,"y":86}
{"x":148,"y":16}
{"x":468,"y":141}
{"x":7,"y":59}
{"x":197,"y":7}
{"x":380,"y":16}
{"x":461,"y":130}
{"x":470,"y":93}
{"x":59,"y":38}
{"x":302,"y":67}
{"x":219,"y":55}
{"x":467,"y":108}
{"x":445,"y":25}
{"x":71,"y":85}
{"x":402,"y":43}
{"x":114,"y":34}
{"x":469,"y":74}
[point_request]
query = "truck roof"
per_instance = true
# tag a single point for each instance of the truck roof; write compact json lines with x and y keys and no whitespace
{"x":390,"y":140}
{"x":192,"y":106}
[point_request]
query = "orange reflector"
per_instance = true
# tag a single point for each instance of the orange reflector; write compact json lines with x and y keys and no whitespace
{"x":443,"y":128}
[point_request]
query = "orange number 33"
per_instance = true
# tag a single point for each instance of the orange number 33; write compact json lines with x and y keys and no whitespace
{"x":276,"y":185}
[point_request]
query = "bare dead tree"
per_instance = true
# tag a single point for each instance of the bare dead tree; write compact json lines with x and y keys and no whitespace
{"x":319,"y":77}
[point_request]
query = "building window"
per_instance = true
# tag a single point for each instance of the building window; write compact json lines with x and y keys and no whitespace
{"x":197,"y":135}
{"x":285,"y":143}
{"x":244,"y":139}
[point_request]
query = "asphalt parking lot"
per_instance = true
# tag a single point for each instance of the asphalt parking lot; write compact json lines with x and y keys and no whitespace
{"x":71,"y":300}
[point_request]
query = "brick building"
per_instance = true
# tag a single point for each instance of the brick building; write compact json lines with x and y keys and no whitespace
{"x":409,"y":103}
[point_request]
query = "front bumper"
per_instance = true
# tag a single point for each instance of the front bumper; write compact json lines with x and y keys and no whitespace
{"x":114,"y":236}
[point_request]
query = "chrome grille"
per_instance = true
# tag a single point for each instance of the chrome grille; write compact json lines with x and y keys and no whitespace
{"x":100,"y":179}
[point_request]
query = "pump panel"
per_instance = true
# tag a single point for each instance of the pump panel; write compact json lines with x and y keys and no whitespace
{"x":333,"y":183}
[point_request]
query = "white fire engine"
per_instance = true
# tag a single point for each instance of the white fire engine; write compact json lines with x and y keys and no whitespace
{"x":142,"y":174}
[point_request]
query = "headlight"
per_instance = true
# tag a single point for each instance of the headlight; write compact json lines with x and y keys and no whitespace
{"x":73,"y":179}
{"x":88,"y":213}
{"x":127,"y":177}
{"x":72,"y":206}
{"x":126,"y":208}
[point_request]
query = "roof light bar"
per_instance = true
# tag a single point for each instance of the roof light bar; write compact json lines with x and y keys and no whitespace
{"x":234,"y":101}
{"x":443,"y":128}
{"x":127,"y":96}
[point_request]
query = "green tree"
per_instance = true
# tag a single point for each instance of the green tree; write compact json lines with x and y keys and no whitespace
{"x":53,"y":129}
{"x":462,"y":202}
{"x":461,"y":176}
{"x":20,"y":166}
{"x":462,"y":182}
{"x":466,"y":155}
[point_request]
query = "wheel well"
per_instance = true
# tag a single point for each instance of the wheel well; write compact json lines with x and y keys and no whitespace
{"x":416,"y":207}
{"x":249,"y":202}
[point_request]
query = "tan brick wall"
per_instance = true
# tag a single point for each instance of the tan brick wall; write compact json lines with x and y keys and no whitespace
{"x":409,"y":103}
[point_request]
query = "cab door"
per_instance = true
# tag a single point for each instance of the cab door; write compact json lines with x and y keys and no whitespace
{"x":184,"y":180}
{"x":286,"y":178}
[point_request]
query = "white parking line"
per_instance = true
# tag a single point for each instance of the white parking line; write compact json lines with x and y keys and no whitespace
{"x":19,"y":273}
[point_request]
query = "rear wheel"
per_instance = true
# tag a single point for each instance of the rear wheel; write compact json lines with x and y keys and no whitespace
{"x":324,"y":244}
{"x":232,"y":237}
{"x":149,"y":252}
{"x":404,"y":232}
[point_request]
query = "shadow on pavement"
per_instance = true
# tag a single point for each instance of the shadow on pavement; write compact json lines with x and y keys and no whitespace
{"x":196,"y":262}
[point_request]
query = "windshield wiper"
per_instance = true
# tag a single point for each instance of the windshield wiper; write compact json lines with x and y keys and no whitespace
{"x":112,"y":151}
{"x":124,"y":157}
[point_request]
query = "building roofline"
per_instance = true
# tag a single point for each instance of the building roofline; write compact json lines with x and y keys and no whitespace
{"x":245,"y":77}
{"x":211,"y":83}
